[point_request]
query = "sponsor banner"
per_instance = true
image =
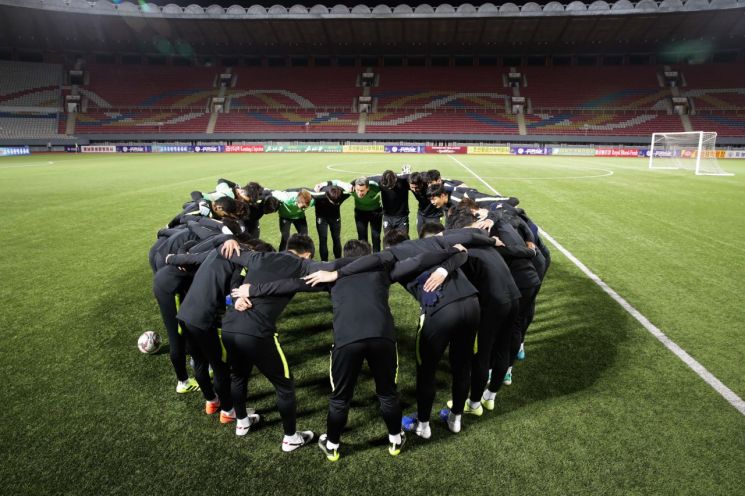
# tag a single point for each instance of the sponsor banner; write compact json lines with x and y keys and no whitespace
{"x":489,"y":150}
{"x":445,"y":149}
{"x":529,"y":150}
{"x":14,"y":151}
{"x":244,"y":148}
{"x":134,"y":149}
{"x":98,"y":149}
{"x":404,"y":149}
{"x":173,"y":148}
{"x":71,"y":148}
{"x":616,"y":152}
{"x":574,"y":151}
{"x":209,"y":149}
{"x":363,"y":149}
{"x":734,"y":154}
{"x":303,"y":148}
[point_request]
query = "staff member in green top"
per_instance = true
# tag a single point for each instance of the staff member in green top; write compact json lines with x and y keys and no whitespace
{"x":292,"y":212}
{"x":368,"y":208}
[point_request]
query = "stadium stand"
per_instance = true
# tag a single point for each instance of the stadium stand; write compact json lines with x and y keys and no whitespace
{"x":242,"y":121}
{"x":296,"y":87}
{"x":24,"y":125}
{"x":142,"y":121}
{"x":28,"y":84}
{"x":601,"y":123}
{"x":714,"y":87}
{"x":442,"y":122}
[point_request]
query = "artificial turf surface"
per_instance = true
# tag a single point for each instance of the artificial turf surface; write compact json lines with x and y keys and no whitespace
{"x":598,"y":407}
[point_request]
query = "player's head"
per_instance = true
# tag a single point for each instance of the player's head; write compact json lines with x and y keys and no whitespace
{"x":468,"y":203}
{"x":259,"y":245}
{"x":460,"y":216}
{"x":270,"y":205}
{"x":224,"y":207}
{"x":303,"y":199}
{"x":301,"y":245}
{"x":356,"y":248}
{"x":430,"y":229}
{"x":433,"y":177}
{"x":437,"y":195}
{"x":417,"y":182}
{"x":361,"y":186}
{"x":388,"y":180}
{"x":334,"y":194}
{"x":253,"y":192}
{"x":394,"y":237}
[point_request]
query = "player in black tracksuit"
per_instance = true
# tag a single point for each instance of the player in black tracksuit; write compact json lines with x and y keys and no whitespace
{"x":328,"y":217}
{"x":251,"y":339}
{"x":371,"y":338}
{"x":449,"y":318}
{"x":394,"y":192}
{"x":499,"y":301}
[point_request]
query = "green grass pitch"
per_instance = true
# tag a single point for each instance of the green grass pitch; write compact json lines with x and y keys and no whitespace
{"x":598,"y":407}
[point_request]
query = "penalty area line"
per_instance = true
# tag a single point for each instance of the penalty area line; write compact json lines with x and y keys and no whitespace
{"x":718,"y":386}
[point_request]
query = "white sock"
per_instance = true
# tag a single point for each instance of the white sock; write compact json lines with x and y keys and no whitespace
{"x":453,"y":417}
{"x":474,"y":405}
{"x":229,"y":413}
{"x":509,"y":370}
{"x":488,"y":395}
{"x":294,"y":438}
{"x":332,"y":446}
{"x":423,"y":425}
{"x":243,"y":423}
{"x":394,"y":438}
{"x":215,"y":401}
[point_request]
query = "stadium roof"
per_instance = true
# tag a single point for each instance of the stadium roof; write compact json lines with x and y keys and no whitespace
{"x":552,"y":28}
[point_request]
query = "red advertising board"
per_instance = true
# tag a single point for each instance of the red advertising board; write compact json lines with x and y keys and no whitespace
{"x":616,"y":152}
{"x":445,"y":149}
{"x":244,"y":148}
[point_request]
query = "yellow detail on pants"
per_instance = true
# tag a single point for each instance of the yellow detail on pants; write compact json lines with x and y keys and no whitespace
{"x":178,"y":306}
{"x":224,"y":356}
{"x":244,"y":272}
{"x":418,"y":335}
{"x":331,"y":374}
{"x":395,"y":378}
{"x":282,"y":357}
{"x":476,"y":343}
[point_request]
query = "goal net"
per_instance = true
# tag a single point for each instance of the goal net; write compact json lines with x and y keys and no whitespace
{"x":694,"y":151}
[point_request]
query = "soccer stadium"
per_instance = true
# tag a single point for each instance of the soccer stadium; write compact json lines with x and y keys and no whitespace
{"x":386,"y":248}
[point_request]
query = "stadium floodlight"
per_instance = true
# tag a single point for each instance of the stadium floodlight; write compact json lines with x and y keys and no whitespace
{"x":695,"y":150}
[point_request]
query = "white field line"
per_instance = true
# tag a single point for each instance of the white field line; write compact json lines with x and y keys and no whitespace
{"x":691,"y":362}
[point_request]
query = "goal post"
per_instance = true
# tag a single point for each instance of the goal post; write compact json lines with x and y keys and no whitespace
{"x":694,"y":150}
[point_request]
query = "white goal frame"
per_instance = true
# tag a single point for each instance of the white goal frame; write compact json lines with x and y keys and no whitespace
{"x":710,"y":135}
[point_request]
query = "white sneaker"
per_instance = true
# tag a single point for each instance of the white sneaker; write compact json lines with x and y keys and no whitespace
{"x":300,"y":438}
{"x":242,"y":426}
{"x":423,"y":430}
{"x":454,"y":422}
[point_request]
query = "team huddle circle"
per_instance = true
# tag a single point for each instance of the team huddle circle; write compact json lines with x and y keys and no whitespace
{"x":474,"y":269}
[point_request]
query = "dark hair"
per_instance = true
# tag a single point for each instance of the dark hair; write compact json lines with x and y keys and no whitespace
{"x":301,"y":243}
{"x":433,"y":175}
{"x":356,"y":248}
{"x":227,"y":205}
{"x":430,"y":229}
{"x":436,"y":189}
{"x":388,"y":180}
{"x":254,"y":191}
{"x":271,"y":205}
{"x":394,"y":237}
{"x":468,"y":203}
{"x":334,"y":194}
{"x":260,"y":246}
{"x":419,"y":181}
{"x":459,"y":217}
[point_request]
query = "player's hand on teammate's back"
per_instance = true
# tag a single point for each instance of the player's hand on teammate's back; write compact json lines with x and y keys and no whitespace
{"x":320,"y":277}
{"x":230,"y":248}
{"x":243,"y":304}
{"x":241,"y":291}
{"x":434,"y":281}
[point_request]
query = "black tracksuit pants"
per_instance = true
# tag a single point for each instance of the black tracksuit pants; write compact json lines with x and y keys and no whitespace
{"x":300,"y":224}
{"x":245,"y":351}
{"x":452,"y":326}
{"x":493,"y":345}
{"x":206,"y":350}
{"x":323,"y":225}
{"x":169,"y":287}
{"x":374,"y":218}
{"x":346,"y":363}
{"x":520,"y":325}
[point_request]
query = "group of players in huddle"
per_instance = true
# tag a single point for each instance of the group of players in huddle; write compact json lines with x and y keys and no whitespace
{"x":221,"y":290}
